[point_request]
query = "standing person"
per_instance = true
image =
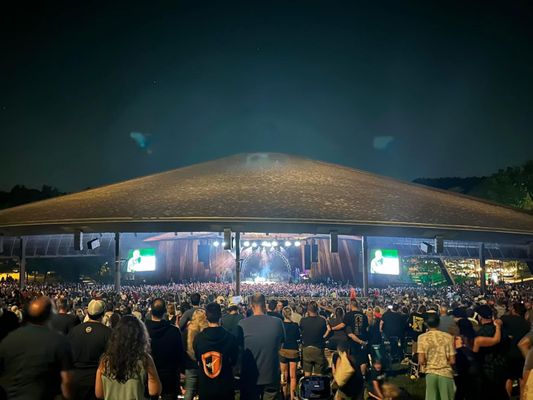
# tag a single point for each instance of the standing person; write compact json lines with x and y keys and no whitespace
{"x":515,"y":327}
{"x":36,"y":362}
{"x":88,"y":341}
{"x":262,"y":337}
{"x":127,"y":366}
{"x":446,"y":320}
{"x":374,"y":335}
{"x":187,"y":315}
{"x":198,"y":324}
{"x":339,"y":335}
{"x":230,"y":321}
{"x":314,"y":331}
{"x":63,"y":321}
{"x":288,"y":355}
{"x":393,"y":326}
{"x":355,"y":324}
{"x":436,"y":354}
{"x":417,"y":326}
{"x":273,"y":309}
{"x":171,"y":313}
{"x":216,"y":351}
{"x":8,"y":322}
{"x":492,"y":356}
{"x":167,"y":350}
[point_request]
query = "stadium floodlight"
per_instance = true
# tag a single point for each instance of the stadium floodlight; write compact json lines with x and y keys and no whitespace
{"x":287,"y":244}
{"x":254,"y":245}
{"x":297,"y":243}
{"x":274,"y":243}
{"x":266,"y":244}
{"x":246,"y":243}
{"x":216,"y":243}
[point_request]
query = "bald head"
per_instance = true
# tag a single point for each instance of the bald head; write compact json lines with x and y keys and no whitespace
{"x":39,"y":310}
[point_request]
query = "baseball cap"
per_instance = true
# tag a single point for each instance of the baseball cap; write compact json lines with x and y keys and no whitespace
{"x":484,"y":311}
{"x":96,"y":308}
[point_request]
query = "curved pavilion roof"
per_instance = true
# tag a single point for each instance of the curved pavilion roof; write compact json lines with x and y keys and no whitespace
{"x":269,"y":192}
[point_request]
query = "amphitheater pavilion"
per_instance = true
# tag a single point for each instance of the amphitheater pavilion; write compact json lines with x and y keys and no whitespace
{"x":269,"y":193}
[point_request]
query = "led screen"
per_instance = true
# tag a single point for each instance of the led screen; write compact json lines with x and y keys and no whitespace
{"x":385,"y":262}
{"x":140,"y":260}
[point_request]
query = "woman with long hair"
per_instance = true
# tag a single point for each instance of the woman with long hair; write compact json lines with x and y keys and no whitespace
{"x":198,"y":324}
{"x":127,"y":367}
{"x":374,"y":333}
{"x":338,"y":336}
{"x":288,"y":355}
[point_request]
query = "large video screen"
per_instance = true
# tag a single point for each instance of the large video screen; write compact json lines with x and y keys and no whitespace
{"x":141,"y":260}
{"x":385,"y":262}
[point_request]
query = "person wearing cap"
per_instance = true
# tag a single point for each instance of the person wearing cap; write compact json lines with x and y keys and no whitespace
{"x":491,"y":356}
{"x":88,"y":341}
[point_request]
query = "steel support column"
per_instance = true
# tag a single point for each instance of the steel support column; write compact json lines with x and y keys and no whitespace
{"x":117,"y":262}
{"x":482,"y":274}
{"x":22,"y":259}
{"x":237,"y":263}
{"x":364,"y":259}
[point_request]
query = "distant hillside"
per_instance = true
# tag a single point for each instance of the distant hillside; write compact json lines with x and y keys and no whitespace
{"x":20,"y":194}
{"x":512,"y":186}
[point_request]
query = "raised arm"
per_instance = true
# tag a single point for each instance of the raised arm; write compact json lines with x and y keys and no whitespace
{"x":482,"y":341}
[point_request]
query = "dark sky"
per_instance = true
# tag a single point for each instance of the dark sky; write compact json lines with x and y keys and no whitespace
{"x":451,"y":85}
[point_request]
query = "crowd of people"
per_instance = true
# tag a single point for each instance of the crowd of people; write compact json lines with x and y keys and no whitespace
{"x":193,"y":340}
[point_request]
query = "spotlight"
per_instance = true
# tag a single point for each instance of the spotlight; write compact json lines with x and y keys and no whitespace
{"x":246,"y":243}
{"x":297,"y":243}
{"x":254,"y":245}
{"x":266,"y":244}
{"x":216,"y":243}
{"x":287,"y":244}
{"x":274,"y":243}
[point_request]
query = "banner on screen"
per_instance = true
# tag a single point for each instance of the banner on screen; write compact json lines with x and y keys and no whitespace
{"x":140,"y":260}
{"x":385,"y":262}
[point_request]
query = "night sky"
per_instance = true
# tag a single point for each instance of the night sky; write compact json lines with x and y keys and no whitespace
{"x":404,"y":89}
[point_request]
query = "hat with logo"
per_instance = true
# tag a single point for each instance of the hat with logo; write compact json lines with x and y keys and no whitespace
{"x":96,"y":308}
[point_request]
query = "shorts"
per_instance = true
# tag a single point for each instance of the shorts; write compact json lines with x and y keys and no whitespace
{"x":314,"y":360}
{"x":287,"y":356}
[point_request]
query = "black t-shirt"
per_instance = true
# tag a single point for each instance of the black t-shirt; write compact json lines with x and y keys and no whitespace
{"x":394,"y":324}
{"x":516,"y":327}
{"x":216,"y":351}
{"x":292,"y":335}
{"x":416,"y":323}
{"x":357,"y":323}
{"x":275,"y":314}
{"x":88,"y":342}
{"x":492,"y":359}
{"x":230,"y":322}
{"x":8,"y":322}
{"x":313,"y":331}
{"x":32,"y":358}
{"x":63,"y":323}
{"x":167,"y":351}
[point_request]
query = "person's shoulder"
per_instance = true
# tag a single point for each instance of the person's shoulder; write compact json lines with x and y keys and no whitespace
{"x":444,"y":335}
